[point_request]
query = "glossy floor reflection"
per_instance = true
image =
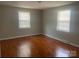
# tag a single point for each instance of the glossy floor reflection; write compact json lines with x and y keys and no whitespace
{"x":37,"y":46}
{"x":24,"y":50}
{"x":62,"y":52}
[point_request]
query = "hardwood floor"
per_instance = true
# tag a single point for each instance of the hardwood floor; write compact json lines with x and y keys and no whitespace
{"x":37,"y":46}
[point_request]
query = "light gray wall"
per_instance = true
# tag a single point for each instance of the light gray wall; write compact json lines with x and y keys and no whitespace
{"x":50,"y":23}
{"x":9,"y":22}
{"x":1,"y":22}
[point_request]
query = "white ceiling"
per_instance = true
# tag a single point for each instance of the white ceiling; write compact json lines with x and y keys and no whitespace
{"x":35,"y":4}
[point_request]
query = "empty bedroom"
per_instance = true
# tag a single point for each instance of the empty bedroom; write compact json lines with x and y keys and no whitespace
{"x":39,"y":29}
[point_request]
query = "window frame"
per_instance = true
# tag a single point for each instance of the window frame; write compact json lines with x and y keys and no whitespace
{"x":20,"y":19}
{"x":62,"y":28}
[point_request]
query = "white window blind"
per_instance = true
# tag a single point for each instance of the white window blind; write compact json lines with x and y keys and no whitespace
{"x":24,"y":19}
{"x":63,"y":20}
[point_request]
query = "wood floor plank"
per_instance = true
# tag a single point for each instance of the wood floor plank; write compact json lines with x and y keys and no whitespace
{"x":37,"y":46}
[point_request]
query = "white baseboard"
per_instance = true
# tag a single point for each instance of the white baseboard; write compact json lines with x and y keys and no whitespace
{"x":19,"y":36}
{"x":65,"y":41}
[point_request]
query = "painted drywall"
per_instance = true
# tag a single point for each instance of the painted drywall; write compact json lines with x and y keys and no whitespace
{"x":1,"y":22}
{"x":50,"y":23}
{"x":9,"y":26}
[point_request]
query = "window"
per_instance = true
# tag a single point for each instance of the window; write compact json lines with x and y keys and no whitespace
{"x":63,"y":21}
{"x":24,"y":19}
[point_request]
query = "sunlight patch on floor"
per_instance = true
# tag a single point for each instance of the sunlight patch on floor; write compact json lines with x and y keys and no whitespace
{"x":25,"y":50}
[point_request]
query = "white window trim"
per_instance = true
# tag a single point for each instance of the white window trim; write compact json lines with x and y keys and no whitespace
{"x":59,"y":28}
{"x":20,"y":19}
